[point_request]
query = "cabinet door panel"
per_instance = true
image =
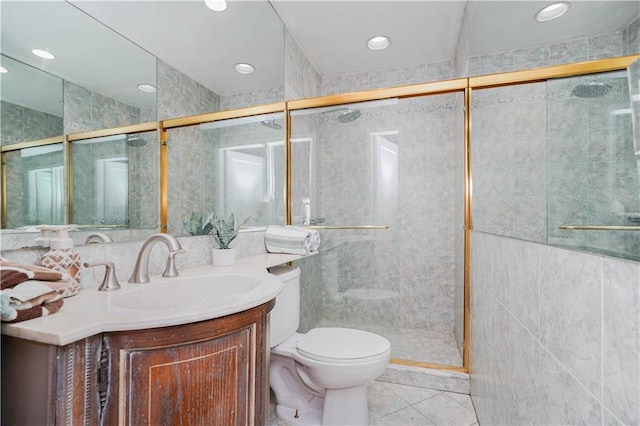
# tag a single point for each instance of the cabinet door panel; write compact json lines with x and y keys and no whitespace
{"x":202,"y":383}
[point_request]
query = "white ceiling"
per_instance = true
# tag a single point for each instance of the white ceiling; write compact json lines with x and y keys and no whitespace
{"x":204,"y":44}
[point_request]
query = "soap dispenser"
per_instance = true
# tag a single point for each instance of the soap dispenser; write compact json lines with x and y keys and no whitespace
{"x":63,"y":258}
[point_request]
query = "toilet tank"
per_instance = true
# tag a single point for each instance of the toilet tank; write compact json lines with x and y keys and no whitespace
{"x":285,"y":316}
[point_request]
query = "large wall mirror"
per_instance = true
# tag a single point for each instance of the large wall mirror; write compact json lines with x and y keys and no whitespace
{"x":101,"y":60}
{"x":96,"y":80}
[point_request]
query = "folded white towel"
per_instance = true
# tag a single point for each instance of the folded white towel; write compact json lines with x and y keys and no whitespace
{"x":291,"y":240}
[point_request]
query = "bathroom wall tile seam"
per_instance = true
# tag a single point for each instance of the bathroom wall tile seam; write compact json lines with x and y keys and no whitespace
{"x":604,"y":409}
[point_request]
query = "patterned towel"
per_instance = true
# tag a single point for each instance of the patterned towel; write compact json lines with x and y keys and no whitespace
{"x":13,"y":273}
{"x":29,"y":291}
{"x":27,"y":300}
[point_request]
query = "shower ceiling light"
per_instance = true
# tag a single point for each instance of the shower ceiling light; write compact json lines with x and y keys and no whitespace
{"x":378,"y":42}
{"x":3,"y":70}
{"x":217,"y":5}
{"x":552,"y":11}
{"x":43,"y":54}
{"x":147,"y":88}
{"x":244,"y":68}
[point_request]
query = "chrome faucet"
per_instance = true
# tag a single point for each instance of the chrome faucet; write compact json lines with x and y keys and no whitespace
{"x":109,"y":282}
{"x":141,"y":269}
{"x":97,"y":237}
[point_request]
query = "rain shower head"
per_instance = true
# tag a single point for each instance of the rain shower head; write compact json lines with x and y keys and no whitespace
{"x":271,"y":124}
{"x":135,"y":141}
{"x":594,"y":89}
{"x":349,"y":115}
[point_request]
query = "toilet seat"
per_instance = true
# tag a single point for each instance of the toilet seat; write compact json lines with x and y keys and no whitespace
{"x":342,"y":345}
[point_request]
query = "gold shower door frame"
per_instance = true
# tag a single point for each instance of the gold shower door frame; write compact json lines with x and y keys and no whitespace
{"x":463,"y":85}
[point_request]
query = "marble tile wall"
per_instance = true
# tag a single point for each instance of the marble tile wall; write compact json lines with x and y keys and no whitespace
{"x":609,"y":45}
{"x":143,"y":182}
{"x":85,"y":110}
{"x":257,"y":97}
{"x":21,"y":124}
{"x":400,"y":278}
{"x":388,"y":77}
{"x":180,"y":96}
{"x":123,"y":254}
{"x":509,"y":160}
{"x":301,"y":79}
{"x":555,"y":335}
{"x":631,"y":37}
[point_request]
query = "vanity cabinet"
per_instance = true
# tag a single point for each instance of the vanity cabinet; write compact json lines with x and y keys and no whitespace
{"x":212,"y":372}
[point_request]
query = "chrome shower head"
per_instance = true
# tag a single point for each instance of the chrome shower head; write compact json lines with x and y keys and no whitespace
{"x":135,"y":141}
{"x":349,"y":115}
{"x":271,"y":124}
{"x":594,"y":89}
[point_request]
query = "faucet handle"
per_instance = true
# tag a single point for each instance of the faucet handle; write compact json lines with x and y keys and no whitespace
{"x":170,"y":270}
{"x":109,"y":282}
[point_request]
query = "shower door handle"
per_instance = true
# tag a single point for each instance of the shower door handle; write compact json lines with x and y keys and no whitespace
{"x":599,"y":228}
{"x":346,"y":227}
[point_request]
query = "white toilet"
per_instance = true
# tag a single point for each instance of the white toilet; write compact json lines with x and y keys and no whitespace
{"x":320,"y":378}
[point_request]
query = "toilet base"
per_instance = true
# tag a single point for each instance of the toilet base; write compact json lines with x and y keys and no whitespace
{"x":347,"y":406}
{"x":295,"y":417}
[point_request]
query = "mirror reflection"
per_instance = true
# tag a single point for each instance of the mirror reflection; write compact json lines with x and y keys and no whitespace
{"x":228,"y":166}
{"x":31,"y":103}
{"x":114,"y":181}
{"x":85,"y":87}
{"x":34,"y":186}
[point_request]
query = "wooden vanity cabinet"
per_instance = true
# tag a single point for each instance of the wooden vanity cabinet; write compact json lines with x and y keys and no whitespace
{"x":212,"y":372}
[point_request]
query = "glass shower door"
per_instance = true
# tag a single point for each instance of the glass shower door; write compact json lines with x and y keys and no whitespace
{"x":383,"y":164}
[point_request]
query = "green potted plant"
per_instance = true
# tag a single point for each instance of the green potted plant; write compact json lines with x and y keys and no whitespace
{"x":196,"y":226}
{"x":224,"y":232}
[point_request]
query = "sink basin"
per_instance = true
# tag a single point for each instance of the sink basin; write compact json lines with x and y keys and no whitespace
{"x":188,"y":291}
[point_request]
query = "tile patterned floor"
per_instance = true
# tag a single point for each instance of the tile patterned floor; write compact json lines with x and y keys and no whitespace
{"x":392,"y":404}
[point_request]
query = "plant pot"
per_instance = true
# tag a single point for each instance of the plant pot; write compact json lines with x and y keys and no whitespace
{"x":223,"y":257}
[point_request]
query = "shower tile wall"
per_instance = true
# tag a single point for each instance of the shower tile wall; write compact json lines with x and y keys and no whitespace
{"x":389,"y":77}
{"x":620,"y":43}
{"x":509,"y":161}
{"x":555,"y":335}
{"x":256,"y":97}
{"x":395,"y":282}
{"x":21,"y":124}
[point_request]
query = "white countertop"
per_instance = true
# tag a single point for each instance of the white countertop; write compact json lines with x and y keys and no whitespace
{"x":91,"y":312}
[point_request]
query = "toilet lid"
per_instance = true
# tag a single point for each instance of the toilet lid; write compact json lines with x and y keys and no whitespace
{"x":343,"y":344}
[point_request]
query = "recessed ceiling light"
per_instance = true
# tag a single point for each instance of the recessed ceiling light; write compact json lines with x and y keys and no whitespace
{"x":378,"y":42}
{"x":552,"y":11}
{"x":217,"y":5}
{"x":244,"y":68}
{"x":147,"y":88}
{"x":3,"y":70}
{"x":43,"y":54}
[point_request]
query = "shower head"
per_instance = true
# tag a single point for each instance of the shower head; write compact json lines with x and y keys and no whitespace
{"x":594,"y":89}
{"x":349,"y":115}
{"x":271,"y":124}
{"x":135,"y":141}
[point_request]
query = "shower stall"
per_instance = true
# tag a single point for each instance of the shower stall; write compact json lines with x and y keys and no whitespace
{"x":380,"y":177}
{"x":562,"y":170}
